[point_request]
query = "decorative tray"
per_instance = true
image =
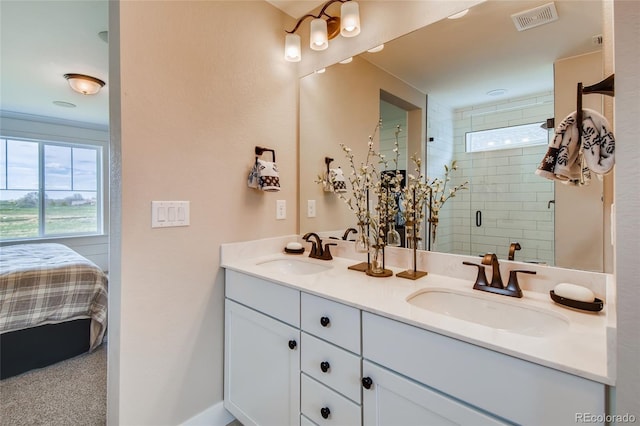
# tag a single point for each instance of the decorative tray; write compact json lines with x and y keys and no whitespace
{"x":594,"y":306}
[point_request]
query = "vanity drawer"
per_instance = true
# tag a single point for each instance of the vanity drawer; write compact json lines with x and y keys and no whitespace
{"x":277,"y":301}
{"x":316,"y":398}
{"x":331,"y":321}
{"x":342,"y":367}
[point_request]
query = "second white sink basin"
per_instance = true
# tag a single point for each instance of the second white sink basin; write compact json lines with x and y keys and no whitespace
{"x":294,"y":266}
{"x":512,"y":317}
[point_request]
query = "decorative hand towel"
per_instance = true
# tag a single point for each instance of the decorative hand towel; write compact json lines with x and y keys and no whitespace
{"x":337,"y":180}
{"x":253,"y":181}
{"x":269,"y":177}
{"x":571,"y":161}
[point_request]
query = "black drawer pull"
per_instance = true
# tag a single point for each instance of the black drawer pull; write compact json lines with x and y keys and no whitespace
{"x":367,"y":382}
{"x":324,"y":321}
{"x":292,"y":344}
{"x":324,"y":366}
{"x":324,"y":412}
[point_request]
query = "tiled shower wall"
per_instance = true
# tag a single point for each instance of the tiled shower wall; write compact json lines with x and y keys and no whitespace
{"x":513,"y":201}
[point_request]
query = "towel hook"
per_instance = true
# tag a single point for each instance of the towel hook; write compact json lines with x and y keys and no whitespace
{"x":604,"y":87}
{"x":327,"y":161}
{"x":260,"y":150}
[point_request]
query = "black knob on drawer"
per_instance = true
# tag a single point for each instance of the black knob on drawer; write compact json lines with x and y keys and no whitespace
{"x":324,"y":366}
{"x":292,"y":344}
{"x":324,"y":412}
{"x":367,"y":382}
{"x":324,"y":321}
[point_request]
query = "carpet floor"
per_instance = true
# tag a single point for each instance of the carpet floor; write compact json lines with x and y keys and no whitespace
{"x":69,"y":393}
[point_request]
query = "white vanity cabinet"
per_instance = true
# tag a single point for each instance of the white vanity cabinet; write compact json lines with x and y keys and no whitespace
{"x":262,"y":352}
{"x":390,"y":400}
{"x":331,"y":362}
{"x":510,"y":389}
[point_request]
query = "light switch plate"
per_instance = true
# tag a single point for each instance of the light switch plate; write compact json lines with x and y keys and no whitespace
{"x":281,"y":209}
{"x":311,"y":208}
{"x":166,"y":214}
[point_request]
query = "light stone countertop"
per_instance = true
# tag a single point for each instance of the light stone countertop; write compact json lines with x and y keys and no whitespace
{"x":586,"y":348}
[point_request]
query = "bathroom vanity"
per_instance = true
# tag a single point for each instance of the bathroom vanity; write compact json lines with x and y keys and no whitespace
{"x":311,"y":342}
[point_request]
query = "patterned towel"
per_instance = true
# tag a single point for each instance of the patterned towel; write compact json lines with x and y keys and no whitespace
{"x":338,"y":183}
{"x":264,"y":176}
{"x":572,"y":162}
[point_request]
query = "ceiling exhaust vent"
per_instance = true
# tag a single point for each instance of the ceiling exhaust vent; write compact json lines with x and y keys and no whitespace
{"x":535,"y":17}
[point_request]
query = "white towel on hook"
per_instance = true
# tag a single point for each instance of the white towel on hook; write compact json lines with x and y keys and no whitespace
{"x":338,"y":182}
{"x":572,"y":162}
{"x":269,"y":176}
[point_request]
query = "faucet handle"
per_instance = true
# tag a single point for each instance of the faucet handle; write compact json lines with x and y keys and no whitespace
{"x":481,"y":278}
{"x":513,"y":286}
{"x":326,"y":254}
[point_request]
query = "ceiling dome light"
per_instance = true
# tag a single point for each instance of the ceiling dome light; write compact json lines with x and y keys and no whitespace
{"x":84,"y":84}
{"x":459,"y":14}
{"x":347,"y":61}
{"x":376,"y":49}
{"x":350,"y":19}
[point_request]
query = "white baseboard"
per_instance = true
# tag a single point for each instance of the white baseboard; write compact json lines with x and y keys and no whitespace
{"x":216,"y":415}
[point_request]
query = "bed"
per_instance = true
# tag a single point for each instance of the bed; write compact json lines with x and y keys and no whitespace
{"x":53,"y":306}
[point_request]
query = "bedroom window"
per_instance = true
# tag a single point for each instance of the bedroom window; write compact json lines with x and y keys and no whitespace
{"x":49,"y":189}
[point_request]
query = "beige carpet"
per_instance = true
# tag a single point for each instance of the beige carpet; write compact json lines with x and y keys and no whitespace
{"x":69,"y":393}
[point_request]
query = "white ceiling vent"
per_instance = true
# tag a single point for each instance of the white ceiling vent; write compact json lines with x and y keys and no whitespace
{"x":535,"y":17}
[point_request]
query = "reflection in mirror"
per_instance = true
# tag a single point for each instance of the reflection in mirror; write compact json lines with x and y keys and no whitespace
{"x":477,"y":73}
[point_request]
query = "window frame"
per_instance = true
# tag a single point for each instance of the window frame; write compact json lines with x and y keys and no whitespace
{"x":504,"y":147}
{"x":101,"y":148}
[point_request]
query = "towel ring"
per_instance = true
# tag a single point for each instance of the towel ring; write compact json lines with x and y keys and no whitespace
{"x":260,"y":150}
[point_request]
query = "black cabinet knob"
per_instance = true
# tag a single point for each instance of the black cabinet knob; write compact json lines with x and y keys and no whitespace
{"x":324,"y":321}
{"x":367,"y":382}
{"x":292,"y":344}
{"x":324,"y":366}
{"x":324,"y":412}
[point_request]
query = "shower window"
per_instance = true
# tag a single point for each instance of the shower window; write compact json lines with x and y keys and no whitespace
{"x":506,"y":137}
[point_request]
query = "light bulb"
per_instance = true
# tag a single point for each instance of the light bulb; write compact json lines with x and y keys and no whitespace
{"x":350,"y":19}
{"x":318,"y":39}
{"x":292,"y":48}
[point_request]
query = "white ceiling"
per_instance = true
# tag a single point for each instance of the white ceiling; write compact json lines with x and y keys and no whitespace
{"x":456,"y":61}
{"x":40,"y":41}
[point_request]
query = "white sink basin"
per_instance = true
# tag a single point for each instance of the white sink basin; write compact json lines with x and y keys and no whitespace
{"x":294,"y":266}
{"x":512,"y":317}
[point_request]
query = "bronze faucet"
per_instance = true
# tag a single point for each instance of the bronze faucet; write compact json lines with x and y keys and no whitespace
{"x":512,"y":250}
{"x":348,"y":231}
{"x":316,"y":246}
{"x":512,"y":289}
{"x":317,"y":251}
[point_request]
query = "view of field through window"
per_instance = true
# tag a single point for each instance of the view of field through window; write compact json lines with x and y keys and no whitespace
{"x":48,"y":189}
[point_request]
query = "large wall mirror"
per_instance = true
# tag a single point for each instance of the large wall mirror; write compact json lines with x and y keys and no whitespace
{"x":477,"y":91}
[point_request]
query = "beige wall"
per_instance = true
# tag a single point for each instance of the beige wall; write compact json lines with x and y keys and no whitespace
{"x":579,"y":211}
{"x":202,"y":84}
{"x":342,"y":105}
{"x":627,"y":268}
{"x":165,"y":338}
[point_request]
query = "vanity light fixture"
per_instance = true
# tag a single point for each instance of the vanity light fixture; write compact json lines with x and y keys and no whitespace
{"x":84,"y":84}
{"x":324,"y":27}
